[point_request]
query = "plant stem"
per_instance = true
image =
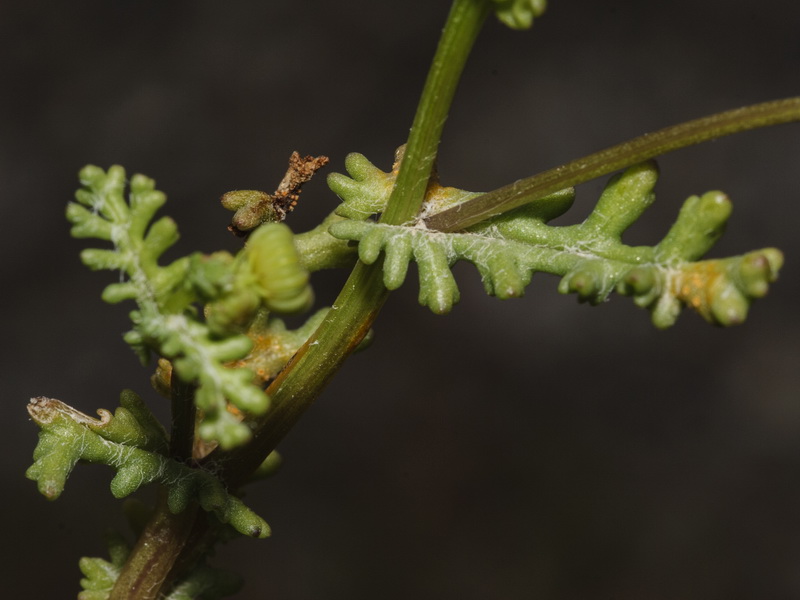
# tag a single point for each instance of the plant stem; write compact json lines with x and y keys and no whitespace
{"x":459,"y":34}
{"x":154,"y":554}
{"x":318,"y":249}
{"x":181,"y":440}
{"x":165,"y":535}
{"x":351,"y":317}
{"x":611,"y":159}
{"x":363,"y":295}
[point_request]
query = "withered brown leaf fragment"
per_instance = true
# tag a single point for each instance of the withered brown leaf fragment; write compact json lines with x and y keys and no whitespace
{"x":254,"y":207}
{"x":300,"y":171}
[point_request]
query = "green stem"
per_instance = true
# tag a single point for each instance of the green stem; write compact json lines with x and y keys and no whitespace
{"x":154,"y":554}
{"x":611,"y":159}
{"x":459,"y":34}
{"x":164,"y":538}
{"x":363,"y":295}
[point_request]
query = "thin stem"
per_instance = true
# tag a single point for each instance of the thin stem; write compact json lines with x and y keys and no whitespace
{"x":181,"y":441}
{"x":363,"y":295}
{"x":611,"y":159}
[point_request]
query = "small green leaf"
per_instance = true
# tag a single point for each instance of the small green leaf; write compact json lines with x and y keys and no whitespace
{"x":280,"y":276}
{"x":366,"y":190}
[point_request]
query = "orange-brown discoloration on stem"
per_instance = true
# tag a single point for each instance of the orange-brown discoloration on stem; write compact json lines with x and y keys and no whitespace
{"x":362,"y":331}
{"x":437,"y":196}
{"x":268,"y":351}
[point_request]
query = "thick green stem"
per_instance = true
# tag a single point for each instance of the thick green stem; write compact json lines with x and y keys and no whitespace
{"x":611,"y":159}
{"x":363,"y":295}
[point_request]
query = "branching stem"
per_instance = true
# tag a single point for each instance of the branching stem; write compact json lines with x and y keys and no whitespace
{"x":612,"y":159}
{"x":363,"y":295}
{"x":348,"y":322}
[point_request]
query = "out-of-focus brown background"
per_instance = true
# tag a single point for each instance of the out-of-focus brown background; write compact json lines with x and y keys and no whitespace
{"x":535,"y":448}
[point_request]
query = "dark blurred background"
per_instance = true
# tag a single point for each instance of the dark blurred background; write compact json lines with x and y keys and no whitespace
{"x":536,"y":448}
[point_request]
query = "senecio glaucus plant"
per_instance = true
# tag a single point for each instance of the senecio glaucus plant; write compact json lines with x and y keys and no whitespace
{"x":238,"y":379}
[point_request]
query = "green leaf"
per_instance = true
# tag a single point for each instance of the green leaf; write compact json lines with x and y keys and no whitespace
{"x":591,"y":257}
{"x":130,"y":442}
{"x":280,"y":278}
{"x":267,"y":273}
{"x":367,"y":191}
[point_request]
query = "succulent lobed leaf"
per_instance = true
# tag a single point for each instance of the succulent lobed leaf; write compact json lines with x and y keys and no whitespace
{"x":279,"y":278}
{"x":67,"y":436}
{"x":366,"y":192}
{"x":591,"y":257}
{"x":267,"y":273}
